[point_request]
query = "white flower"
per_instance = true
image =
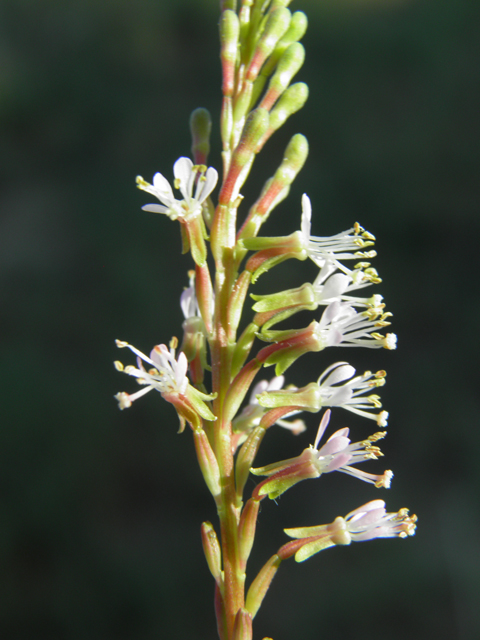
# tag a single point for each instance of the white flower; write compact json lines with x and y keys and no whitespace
{"x":343,"y":246}
{"x":342,"y":325}
{"x":368,"y":522}
{"x":329,"y":286}
{"x":333,"y":394}
{"x":185,"y":173}
{"x":337,"y":454}
{"x":372,"y":521}
{"x":167,"y":375}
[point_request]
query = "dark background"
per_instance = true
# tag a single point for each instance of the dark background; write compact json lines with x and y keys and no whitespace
{"x":99,"y":528}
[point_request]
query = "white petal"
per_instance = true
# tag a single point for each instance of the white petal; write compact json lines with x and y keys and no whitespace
{"x":276,"y":383}
{"x":182,"y":170}
{"x":156,"y":208}
{"x":306,"y":217}
{"x":340,"y":371}
{"x":373,"y":504}
{"x":322,"y":426}
{"x":162,"y":186}
{"x":341,"y":396}
{"x":208,"y":185}
{"x":335,"y":286}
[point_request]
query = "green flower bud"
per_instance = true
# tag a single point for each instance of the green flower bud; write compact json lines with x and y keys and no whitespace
{"x":287,"y":67}
{"x":275,"y":189}
{"x":200,"y":127}
{"x":207,"y":461}
{"x":295,"y":155}
{"x":211,"y":549}
{"x":260,"y":585}
{"x":229,"y":31}
{"x":242,"y":627}
{"x":291,"y":101}
{"x":246,"y":457}
{"x":294,"y":33}
{"x":253,"y":131}
{"x":277,"y":24}
{"x":246,"y":530}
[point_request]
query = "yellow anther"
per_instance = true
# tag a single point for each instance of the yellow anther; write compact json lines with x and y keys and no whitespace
{"x":173,"y":343}
{"x":377,"y":436}
{"x":118,"y":365}
{"x":120,"y":344}
{"x":141,"y":183}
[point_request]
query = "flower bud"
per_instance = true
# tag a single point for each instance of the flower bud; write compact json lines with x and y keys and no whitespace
{"x":211,"y":549}
{"x":200,"y":127}
{"x":246,"y":457}
{"x":207,"y":461}
{"x":246,"y":530}
{"x":287,"y":67}
{"x":277,"y":24}
{"x":276,"y":189}
{"x":260,"y":585}
{"x":229,"y":30}
{"x":295,"y":32}
{"x":253,"y":131}
{"x":242,"y":627}
{"x":291,"y":101}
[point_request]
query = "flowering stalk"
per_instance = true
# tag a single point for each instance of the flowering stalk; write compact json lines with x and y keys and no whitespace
{"x":211,"y":376}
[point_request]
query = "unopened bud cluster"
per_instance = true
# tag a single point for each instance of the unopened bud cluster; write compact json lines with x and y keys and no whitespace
{"x":211,"y":379}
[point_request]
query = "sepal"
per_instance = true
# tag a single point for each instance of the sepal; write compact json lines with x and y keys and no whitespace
{"x":211,"y":549}
{"x":290,"y":346}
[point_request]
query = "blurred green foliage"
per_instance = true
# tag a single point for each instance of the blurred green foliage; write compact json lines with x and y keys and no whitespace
{"x":99,"y":534}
